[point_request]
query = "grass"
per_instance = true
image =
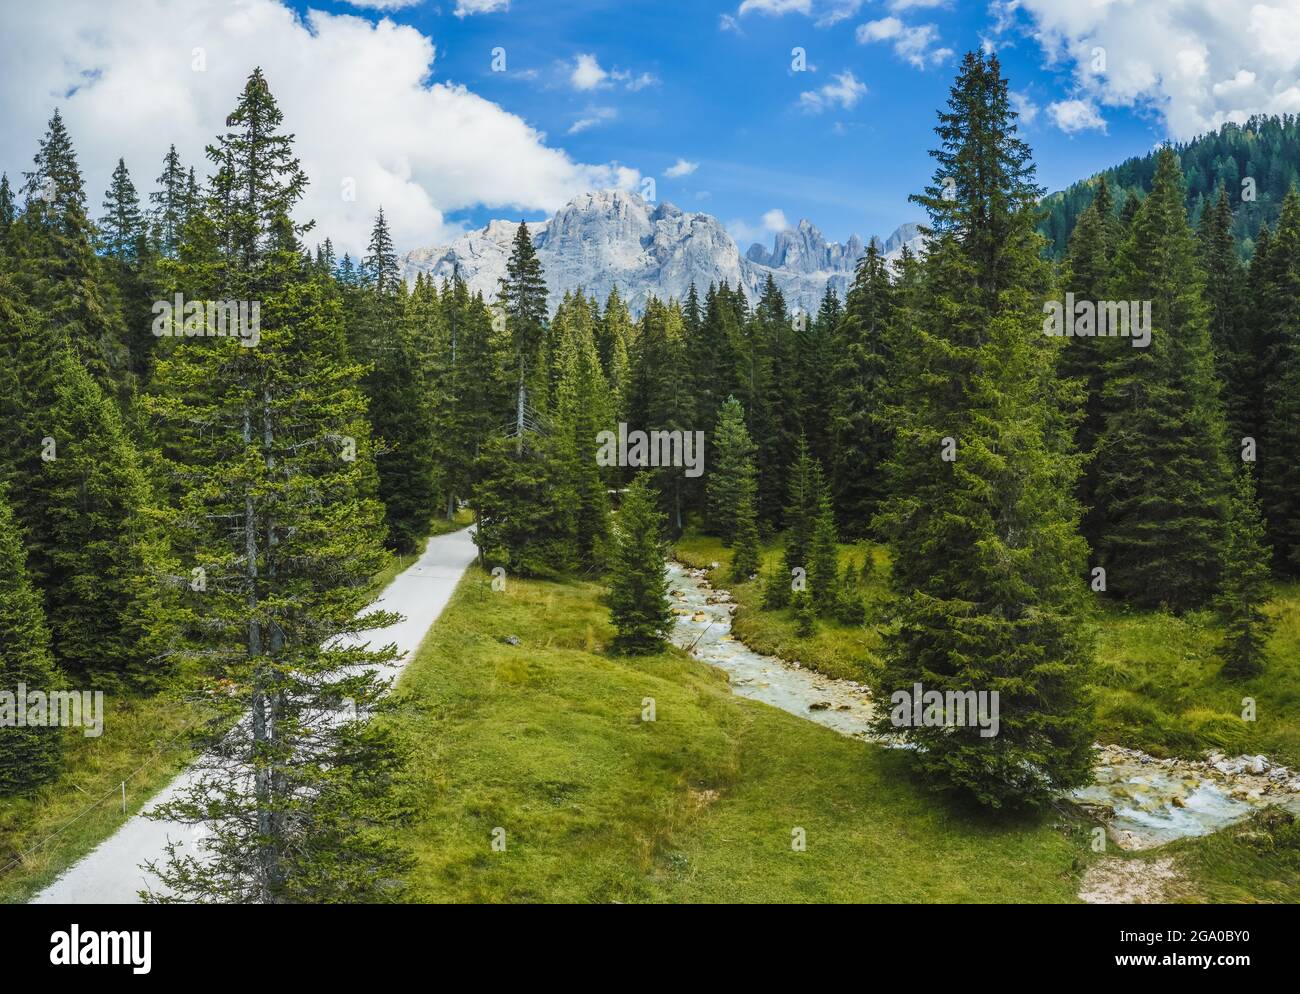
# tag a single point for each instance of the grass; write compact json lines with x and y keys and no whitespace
{"x":145,"y":743}
{"x":1156,"y":682}
{"x":545,"y":740}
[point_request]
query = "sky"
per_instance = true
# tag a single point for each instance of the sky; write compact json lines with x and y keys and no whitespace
{"x":761,"y":112}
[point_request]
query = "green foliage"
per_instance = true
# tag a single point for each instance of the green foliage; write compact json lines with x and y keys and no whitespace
{"x":731,"y":479}
{"x":31,"y":755}
{"x":858,"y":426}
{"x":805,"y":613}
{"x":638,"y":584}
{"x":1244,"y":582}
{"x":1161,"y":467}
{"x":746,"y":557}
{"x":986,"y":558}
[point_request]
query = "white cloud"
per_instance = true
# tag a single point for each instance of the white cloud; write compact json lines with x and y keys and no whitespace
{"x":1075,"y":115}
{"x":587,"y":73}
{"x":1023,"y":106}
{"x":464,"y":8}
{"x":1198,"y":63}
{"x":355,"y":93}
{"x":591,"y":117}
{"x":839,"y":10}
{"x":774,"y":220}
{"x":775,"y":7}
{"x":846,"y":91}
{"x":728,"y":23}
{"x":899,"y":5}
{"x":383,"y":4}
{"x":681,"y":168}
{"x":914,"y":44}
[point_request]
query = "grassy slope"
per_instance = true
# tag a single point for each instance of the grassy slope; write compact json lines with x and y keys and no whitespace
{"x":1157,"y":678}
{"x":544,"y":739}
{"x":144,"y":740}
{"x":138,"y":732}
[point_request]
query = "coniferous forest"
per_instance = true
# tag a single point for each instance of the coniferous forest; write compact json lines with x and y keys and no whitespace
{"x":1008,"y":537}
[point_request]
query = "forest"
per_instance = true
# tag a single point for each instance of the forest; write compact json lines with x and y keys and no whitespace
{"x":193,"y":519}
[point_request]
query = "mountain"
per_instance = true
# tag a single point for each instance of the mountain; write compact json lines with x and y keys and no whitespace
{"x":614,"y":238}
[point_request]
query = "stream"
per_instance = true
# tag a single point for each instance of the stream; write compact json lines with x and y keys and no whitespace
{"x":1142,"y":800}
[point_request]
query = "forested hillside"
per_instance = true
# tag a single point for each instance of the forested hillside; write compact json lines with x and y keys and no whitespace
{"x":1264,"y":149}
{"x":219,"y":432}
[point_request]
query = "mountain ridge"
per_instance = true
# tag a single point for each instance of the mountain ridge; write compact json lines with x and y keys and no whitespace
{"x":609,"y":238}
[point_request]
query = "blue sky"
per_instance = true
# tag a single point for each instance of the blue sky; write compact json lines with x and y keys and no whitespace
{"x":396,"y":103}
{"x":706,"y":84}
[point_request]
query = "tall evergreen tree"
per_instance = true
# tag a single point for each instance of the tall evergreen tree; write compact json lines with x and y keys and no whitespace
{"x":987,"y":564}
{"x":859,"y":437}
{"x":1244,"y":585}
{"x":1278,"y":339}
{"x":31,"y":755}
{"x":523,"y":301}
{"x":731,"y":472}
{"x":56,"y":265}
{"x":168,"y":211}
{"x":1162,"y":470}
{"x":121,"y":229}
{"x":638,"y":586}
{"x":277,"y":510}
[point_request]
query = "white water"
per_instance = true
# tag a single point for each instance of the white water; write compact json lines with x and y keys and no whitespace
{"x":1144,"y":801}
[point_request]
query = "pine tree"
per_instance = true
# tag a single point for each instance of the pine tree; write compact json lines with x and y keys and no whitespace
{"x":805,"y":614}
{"x":78,"y":492}
{"x":31,"y":755}
{"x":1162,"y":470}
{"x":168,"y":211}
{"x":747,"y":555}
{"x":731,"y":472}
{"x":1278,"y":332}
{"x":859,"y":437}
{"x":122,"y":226}
{"x":277,"y":511}
{"x":638,"y":588}
{"x":1244,"y":584}
{"x":823,"y":552}
{"x":583,"y":410}
{"x":1225,"y":283}
{"x":523,"y":301}
{"x":8,"y":212}
{"x":801,"y":509}
{"x":56,"y":266}
{"x":987,"y":564}
{"x":401,"y":405}
{"x":1086,"y":273}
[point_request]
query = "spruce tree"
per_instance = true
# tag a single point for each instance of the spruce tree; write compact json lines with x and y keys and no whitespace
{"x":1086,"y":273}
{"x":747,"y":555}
{"x":731,"y":471}
{"x":823,"y":552}
{"x":275,"y":512}
{"x":78,"y":492}
{"x":56,"y":266}
{"x":1244,"y":584}
{"x":859,"y":438}
{"x":523,"y":301}
{"x":1225,"y":285}
{"x":1278,"y":332}
{"x":168,"y":210}
{"x":638,"y":585}
{"x":987,"y":563}
{"x":401,"y":405}
{"x":801,"y":509}
{"x":32,"y":755}
{"x":122,"y":226}
{"x":1161,"y":464}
